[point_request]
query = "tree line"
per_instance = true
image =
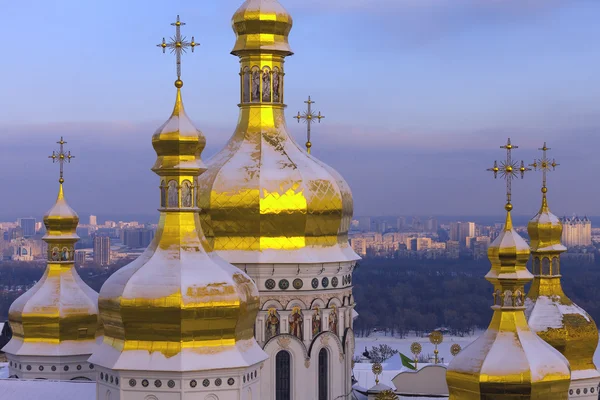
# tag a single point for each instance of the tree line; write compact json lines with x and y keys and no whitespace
{"x":399,"y":296}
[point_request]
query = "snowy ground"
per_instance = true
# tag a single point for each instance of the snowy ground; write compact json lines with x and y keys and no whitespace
{"x":394,"y":366}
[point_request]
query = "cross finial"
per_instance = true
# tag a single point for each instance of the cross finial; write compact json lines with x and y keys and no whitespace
{"x":509,"y":170}
{"x":178,"y":45}
{"x":545,"y":165}
{"x":308,"y":117}
{"x":60,"y":157}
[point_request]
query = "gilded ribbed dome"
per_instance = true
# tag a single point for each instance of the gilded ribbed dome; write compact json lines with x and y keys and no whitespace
{"x":261,"y":25}
{"x":545,"y":230}
{"x":178,"y":307}
{"x":59,"y":315}
{"x":267,"y":199}
{"x":550,"y":313}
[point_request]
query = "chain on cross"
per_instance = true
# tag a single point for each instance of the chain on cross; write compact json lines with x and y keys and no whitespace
{"x":545,"y":165}
{"x":509,"y":170}
{"x":308,"y":117}
{"x":60,"y":157}
{"x":178,"y":45}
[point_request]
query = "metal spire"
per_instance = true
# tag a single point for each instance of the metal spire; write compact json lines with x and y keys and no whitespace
{"x":509,"y":169}
{"x":60,"y":156}
{"x":308,"y":117}
{"x":178,"y":45}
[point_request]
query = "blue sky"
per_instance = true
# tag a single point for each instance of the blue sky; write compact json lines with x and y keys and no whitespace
{"x":418,"y":95}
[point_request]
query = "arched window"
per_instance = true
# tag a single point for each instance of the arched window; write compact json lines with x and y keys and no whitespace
{"x":256,"y":78}
{"x":266,"y":88}
{"x":276,"y":85}
{"x":323,"y":375}
{"x":282,"y":376}
{"x":246,"y":87}
{"x":186,"y":194}
{"x":163,"y":194}
{"x":536,"y":266}
{"x":545,"y":266}
{"x":173,"y":195}
{"x":555,"y":266}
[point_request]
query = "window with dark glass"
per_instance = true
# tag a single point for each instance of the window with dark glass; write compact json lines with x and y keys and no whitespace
{"x":323,"y":374}
{"x":282,"y":376}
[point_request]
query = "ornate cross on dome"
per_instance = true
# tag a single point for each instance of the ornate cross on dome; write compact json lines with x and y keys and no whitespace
{"x":178,"y":45}
{"x":60,"y":157}
{"x":508,"y":169}
{"x":308,"y":117}
{"x":545,"y":165}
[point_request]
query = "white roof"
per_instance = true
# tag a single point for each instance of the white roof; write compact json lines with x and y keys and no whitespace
{"x":46,"y":390}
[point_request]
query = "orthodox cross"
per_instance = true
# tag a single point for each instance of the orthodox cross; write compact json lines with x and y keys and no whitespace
{"x":60,"y":157}
{"x":308,"y":117}
{"x":178,"y":45}
{"x":508,"y":169}
{"x":544,"y":164}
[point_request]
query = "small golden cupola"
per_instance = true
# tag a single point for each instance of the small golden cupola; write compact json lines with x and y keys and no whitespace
{"x":550,"y":313}
{"x":268,"y":200}
{"x":262,"y":25}
{"x":178,"y":308}
{"x":508,"y":360}
{"x":55,"y":322}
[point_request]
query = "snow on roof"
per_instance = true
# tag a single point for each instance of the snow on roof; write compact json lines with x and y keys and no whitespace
{"x":46,"y":390}
{"x":547,"y":313}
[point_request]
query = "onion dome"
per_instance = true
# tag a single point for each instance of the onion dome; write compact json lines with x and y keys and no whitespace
{"x":508,"y":360}
{"x":178,"y":307}
{"x":508,"y":357}
{"x":262,"y":25}
{"x":267,"y":199}
{"x":550,"y":313}
{"x":59,"y":315}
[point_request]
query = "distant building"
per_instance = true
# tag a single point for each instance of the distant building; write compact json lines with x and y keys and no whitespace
{"x":460,"y":231}
{"x":400,"y":223}
{"x":79,"y":257}
{"x":359,"y":245}
{"x":364,"y":223}
{"x":28,"y":226}
{"x":22,"y":251}
{"x":453,"y":249}
{"x":576,"y":231}
{"x":102,"y":250}
{"x":137,"y":238}
{"x":431,"y":225}
{"x":93,"y":220}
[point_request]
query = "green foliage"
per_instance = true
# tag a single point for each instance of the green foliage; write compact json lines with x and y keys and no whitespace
{"x":400,"y":295}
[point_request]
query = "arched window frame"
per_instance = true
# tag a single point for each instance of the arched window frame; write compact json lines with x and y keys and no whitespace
{"x":257,"y":98}
{"x":266,"y":93}
{"x":283,"y":376}
{"x":555,"y":266}
{"x":545,"y":266}
{"x":323,"y":374}
{"x":172,"y":185}
{"x":187,"y":185}
{"x":245,"y":85}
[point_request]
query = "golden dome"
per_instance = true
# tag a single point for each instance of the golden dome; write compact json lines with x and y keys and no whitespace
{"x":261,"y":25}
{"x":59,"y":315}
{"x":178,"y":143}
{"x":550,"y":313}
{"x":269,"y":201}
{"x":508,"y":357}
{"x":545,"y":230}
{"x":178,"y":306}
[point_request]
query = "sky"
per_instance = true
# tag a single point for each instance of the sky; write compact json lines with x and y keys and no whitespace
{"x":418,"y":96}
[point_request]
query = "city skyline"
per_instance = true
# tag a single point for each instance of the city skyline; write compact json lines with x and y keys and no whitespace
{"x":420,"y":148}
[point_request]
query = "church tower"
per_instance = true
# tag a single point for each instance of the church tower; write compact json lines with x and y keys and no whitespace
{"x":550,"y":313}
{"x":55,"y":322}
{"x":178,"y":321}
{"x":508,"y":361}
{"x":281,"y":215}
